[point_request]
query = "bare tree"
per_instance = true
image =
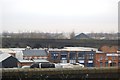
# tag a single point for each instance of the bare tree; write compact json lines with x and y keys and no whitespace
{"x":72,"y":35}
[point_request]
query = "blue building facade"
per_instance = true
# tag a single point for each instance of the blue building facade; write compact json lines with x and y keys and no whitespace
{"x":71,"y":56}
{"x":86,"y":58}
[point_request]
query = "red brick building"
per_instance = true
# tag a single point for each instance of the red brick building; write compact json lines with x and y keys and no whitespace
{"x":108,"y":57}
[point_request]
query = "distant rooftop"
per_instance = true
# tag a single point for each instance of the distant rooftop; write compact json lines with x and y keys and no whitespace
{"x":82,"y":36}
{"x":35,"y":52}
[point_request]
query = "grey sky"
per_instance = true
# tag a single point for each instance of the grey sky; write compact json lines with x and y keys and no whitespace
{"x":59,"y":15}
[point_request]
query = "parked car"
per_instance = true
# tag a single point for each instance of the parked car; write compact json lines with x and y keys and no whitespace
{"x":69,"y":65}
{"x":25,"y":66}
{"x":59,"y":65}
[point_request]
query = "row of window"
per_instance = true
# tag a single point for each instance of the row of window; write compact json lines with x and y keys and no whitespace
{"x":106,"y":58}
{"x":71,"y":56}
{"x":107,"y":64}
{"x":101,"y":64}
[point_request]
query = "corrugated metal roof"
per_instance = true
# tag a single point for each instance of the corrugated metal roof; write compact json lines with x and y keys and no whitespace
{"x":4,"y":56}
{"x":34,"y":52}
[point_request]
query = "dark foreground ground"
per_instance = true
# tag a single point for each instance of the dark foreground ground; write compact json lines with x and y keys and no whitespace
{"x":62,"y":74}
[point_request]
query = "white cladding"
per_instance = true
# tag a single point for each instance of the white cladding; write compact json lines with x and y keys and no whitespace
{"x":81,"y":61}
{"x":111,"y":54}
{"x":19,"y":55}
{"x":90,"y":61}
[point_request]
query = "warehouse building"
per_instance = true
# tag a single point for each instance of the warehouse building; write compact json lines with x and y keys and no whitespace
{"x":73,"y":55}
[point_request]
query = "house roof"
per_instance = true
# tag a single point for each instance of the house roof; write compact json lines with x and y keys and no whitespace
{"x":82,"y":36}
{"x":4,"y":56}
{"x":34,"y":52}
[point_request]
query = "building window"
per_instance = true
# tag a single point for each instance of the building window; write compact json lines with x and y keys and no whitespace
{"x":101,"y":58}
{"x":119,"y":57}
{"x":113,"y":57}
{"x":54,"y":55}
{"x":113,"y":64}
{"x":119,"y":64}
{"x":72,"y":55}
{"x":101,"y":64}
{"x":64,"y":56}
{"x":81,"y":56}
{"x":106,"y":58}
{"x":106,"y":64}
{"x":89,"y":56}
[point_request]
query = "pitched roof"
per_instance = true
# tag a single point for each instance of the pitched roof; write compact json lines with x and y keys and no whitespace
{"x":82,"y":36}
{"x":34,"y":52}
{"x":4,"y":56}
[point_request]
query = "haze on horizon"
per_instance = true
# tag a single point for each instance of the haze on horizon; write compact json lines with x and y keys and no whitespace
{"x":59,"y":15}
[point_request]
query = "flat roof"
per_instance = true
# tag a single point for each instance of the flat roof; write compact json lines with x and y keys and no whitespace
{"x":74,"y":49}
{"x":7,"y":50}
{"x":28,"y":61}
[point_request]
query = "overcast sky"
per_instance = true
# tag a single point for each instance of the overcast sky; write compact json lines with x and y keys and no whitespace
{"x":59,"y":15}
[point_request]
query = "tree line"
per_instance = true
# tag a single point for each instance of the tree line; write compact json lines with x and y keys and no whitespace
{"x":70,"y":35}
{"x":40,"y":35}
